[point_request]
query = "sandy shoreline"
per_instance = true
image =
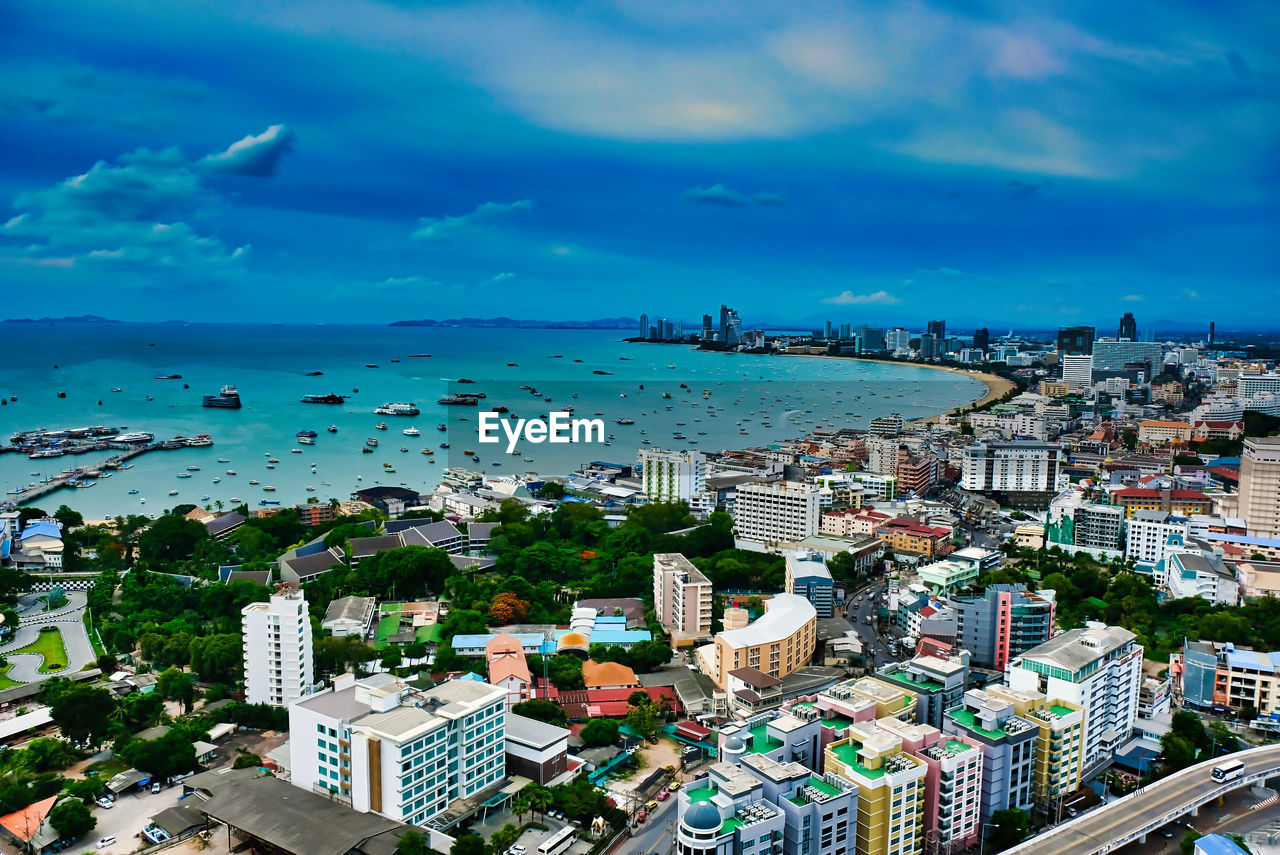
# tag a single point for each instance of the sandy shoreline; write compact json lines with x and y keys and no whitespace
{"x":997,"y":386}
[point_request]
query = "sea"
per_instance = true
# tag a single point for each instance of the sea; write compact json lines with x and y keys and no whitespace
{"x":675,"y":395}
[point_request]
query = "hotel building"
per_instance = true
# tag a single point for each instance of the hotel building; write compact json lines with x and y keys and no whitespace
{"x":681,"y":596}
{"x":778,"y":643}
{"x":278,"y":666}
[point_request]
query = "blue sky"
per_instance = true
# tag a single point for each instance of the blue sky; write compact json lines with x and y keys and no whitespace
{"x":993,"y":163}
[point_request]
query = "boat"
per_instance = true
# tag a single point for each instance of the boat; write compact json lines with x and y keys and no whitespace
{"x":305,"y":440}
{"x":371,"y":442}
{"x":420,"y":355}
{"x":324,"y":399}
{"x":236,"y":500}
{"x":204,"y":498}
{"x":468,"y":452}
{"x":231,"y":471}
{"x":217,"y":480}
{"x":184,"y":474}
{"x":142,"y":501}
{"x":172,"y":492}
{"x":381,"y":426}
{"x":295,"y":451}
{"x":126,"y":466}
{"x":193,"y":468}
{"x":626,"y":421}
{"x":269,"y":488}
{"x":501,"y":410}
{"x":271,"y":466}
{"x":465,"y":380}
{"x":511,"y":365}
{"x":427,"y":451}
{"x":442,"y":427}
{"x":371,"y":365}
{"x":444,"y":445}
{"x":458,"y":401}
{"x":139,"y":436}
{"x":314,"y":374}
{"x":311,"y":489}
{"x":255,"y":482}
{"x":598,"y":371}
{"x":272,"y":460}
{"x":309,"y":433}
{"x":389,"y":470}
{"x":223,"y":460}
{"x":367,"y":450}
{"x":228,"y":398}
{"x":267,"y":502}
{"x":332,"y":428}
{"x":117,"y":389}
{"x":133,"y":492}
{"x":168,"y":376}
{"x":412,"y":431}
{"x":404,"y":449}
{"x":394,"y":409}
{"x":395,"y":360}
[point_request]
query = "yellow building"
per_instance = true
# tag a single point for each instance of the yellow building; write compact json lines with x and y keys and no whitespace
{"x":778,"y":643}
{"x":1055,"y":388}
{"x":1164,"y":432}
{"x":891,"y":789}
{"x":1059,"y":745}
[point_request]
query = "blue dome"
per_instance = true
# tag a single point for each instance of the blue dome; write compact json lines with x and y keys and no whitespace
{"x":702,"y":816}
{"x":735,"y":743}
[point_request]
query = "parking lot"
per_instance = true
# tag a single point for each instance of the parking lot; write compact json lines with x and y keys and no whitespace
{"x":125,"y":821}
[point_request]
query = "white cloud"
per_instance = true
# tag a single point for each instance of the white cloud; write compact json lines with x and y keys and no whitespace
{"x":254,"y":155}
{"x":1133,"y":298}
{"x":446,"y":228}
{"x":717,"y":194}
{"x":501,"y":277}
{"x":876,"y":298}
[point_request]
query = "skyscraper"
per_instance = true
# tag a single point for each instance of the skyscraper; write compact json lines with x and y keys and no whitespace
{"x":937,"y":329}
{"x":1260,"y":486}
{"x":644,"y":326}
{"x":706,"y":327}
{"x":1077,"y":341}
{"x":278,"y":666}
{"x":826,"y":331}
{"x":982,"y":339}
{"x":1128,"y":327}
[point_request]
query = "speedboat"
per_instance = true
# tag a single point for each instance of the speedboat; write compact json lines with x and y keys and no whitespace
{"x":412,"y":431}
{"x":332,"y":428}
{"x":173,"y":492}
{"x":133,"y":492}
{"x":381,"y":426}
{"x":254,"y":482}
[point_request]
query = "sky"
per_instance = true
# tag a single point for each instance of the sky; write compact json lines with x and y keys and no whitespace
{"x":991,"y":163}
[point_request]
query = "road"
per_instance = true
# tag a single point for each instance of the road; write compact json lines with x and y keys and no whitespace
{"x":1099,"y":830}
{"x":875,"y":647}
{"x":657,"y":835}
{"x":70,"y":622}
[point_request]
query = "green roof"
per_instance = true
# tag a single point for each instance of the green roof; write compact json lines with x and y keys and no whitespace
{"x":838,"y":721}
{"x":1060,"y":709}
{"x":847,"y":753}
{"x":431,"y":633}
{"x":702,"y":794}
{"x":926,"y":685}
{"x":762,"y":742}
{"x":822,"y":786}
{"x":730,"y":824}
{"x":970,"y":721}
{"x":955,"y":746}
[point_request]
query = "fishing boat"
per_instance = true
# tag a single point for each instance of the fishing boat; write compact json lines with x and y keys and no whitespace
{"x":380,"y":426}
{"x":371,"y":442}
{"x":272,"y":460}
{"x":231,"y":471}
{"x":444,"y":445}
{"x":305,"y":440}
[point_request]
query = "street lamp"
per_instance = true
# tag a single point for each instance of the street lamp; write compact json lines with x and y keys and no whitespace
{"x":982,"y":837}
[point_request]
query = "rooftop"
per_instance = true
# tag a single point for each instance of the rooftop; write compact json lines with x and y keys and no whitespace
{"x":785,"y":615}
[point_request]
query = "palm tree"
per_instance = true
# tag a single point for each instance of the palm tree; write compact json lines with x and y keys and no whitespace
{"x":218,"y":504}
{"x":539,"y":799}
{"x":520,"y":805}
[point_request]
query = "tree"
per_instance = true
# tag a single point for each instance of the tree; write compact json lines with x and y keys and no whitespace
{"x":643,"y":719}
{"x":170,"y":538}
{"x":552,"y":490}
{"x":501,"y":840}
{"x":175,"y":685}
{"x":1129,"y":438}
{"x":247,"y":760}
{"x":507,"y":608}
{"x":412,"y":842}
{"x":218,"y":658}
{"x":163,"y":757}
{"x":82,"y":712}
{"x":1188,"y":842}
{"x":1008,"y":828}
{"x":47,"y":753}
{"x":1177,"y":751}
{"x":543,"y":710}
{"x":468,"y":844}
{"x":72,"y":819}
{"x":68,"y":518}
{"x":599,"y":731}
{"x":520,"y":805}
{"x":391,"y":658}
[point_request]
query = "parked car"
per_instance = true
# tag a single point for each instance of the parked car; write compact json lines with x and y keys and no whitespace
{"x":651,"y":806}
{"x":640,"y":817}
{"x":155,"y":788}
{"x":106,"y":804}
{"x":674,"y":785}
{"x":516,"y":849}
{"x":663,"y":796}
{"x":653,"y":740}
{"x":104,"y":842}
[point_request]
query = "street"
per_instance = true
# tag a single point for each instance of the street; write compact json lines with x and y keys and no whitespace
{"x":657,"y":835}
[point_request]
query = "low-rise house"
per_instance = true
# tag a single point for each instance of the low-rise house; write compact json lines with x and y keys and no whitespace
{"x":350,"y":616}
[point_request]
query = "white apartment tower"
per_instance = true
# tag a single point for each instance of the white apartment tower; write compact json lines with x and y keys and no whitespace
{"x":779,"y":511}
{"x":1260,"y":486}
{"x":681,"y":596}
{"x":380,"y":746}
{"x":1011,"y":467}
{"x":673,"y":476}
{"x":1077,"y":371}
{"x":278,"y":666}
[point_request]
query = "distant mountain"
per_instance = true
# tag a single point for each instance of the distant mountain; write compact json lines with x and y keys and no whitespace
{"x":515,"y":323}
{"x":81,"y":319}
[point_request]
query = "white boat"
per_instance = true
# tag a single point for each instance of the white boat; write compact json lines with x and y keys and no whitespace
{"x":305,"y":440}
{"x":412,"y":431}
{"x":184,"y":474}
{"x":173,"y":492}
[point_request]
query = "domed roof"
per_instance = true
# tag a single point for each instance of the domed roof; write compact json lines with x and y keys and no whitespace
{"x":572,"y":639}
{"x":702,"y":816}
{"x":735,"y":743}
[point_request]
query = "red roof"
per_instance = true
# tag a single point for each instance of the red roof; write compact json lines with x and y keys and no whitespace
{"x":693,"y":730}
{"x":911,"y":526}
{"x":1152,"y":493}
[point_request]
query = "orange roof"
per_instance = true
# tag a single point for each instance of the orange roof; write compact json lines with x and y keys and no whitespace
{"x":25,"y":823}
{"x":597,"y":674}
{"x":572,"y":639}
{"x":506,"y":659}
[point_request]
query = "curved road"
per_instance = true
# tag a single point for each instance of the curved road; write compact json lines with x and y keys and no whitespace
{"x":1140,"y":813}
{"x":69,"y":620}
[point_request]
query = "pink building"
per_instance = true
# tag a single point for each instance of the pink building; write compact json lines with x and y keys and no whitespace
{"x":508,"y":669}
{"x":681,"y":597}
{"x":953,"y":782}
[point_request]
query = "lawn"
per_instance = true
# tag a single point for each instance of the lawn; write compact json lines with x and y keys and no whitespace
{"x":49,"y":645}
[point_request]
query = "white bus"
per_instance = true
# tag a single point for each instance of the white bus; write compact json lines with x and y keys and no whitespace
{"x":1228,"y":770}
{"x":558,"y":842}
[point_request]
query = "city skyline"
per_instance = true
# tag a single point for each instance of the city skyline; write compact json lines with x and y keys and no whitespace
{"x":380,"y":161}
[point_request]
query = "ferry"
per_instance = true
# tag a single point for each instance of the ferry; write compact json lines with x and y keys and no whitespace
{"x":324,"y":399}
{"x":309,"y":433}
{"x":140,"y":436}
{"x":228,"y":397}
{"x":305,"y":440}
{"x":412,"y":431}
{"x":394,"y":409}
{"x":458,"y":401}
{"x":200,"y":441}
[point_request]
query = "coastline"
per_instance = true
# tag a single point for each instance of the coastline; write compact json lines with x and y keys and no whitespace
{"x":997,"y":386}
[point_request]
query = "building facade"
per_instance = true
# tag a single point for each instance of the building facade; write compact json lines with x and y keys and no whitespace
{"x":1018,"y":470}
{"x":1260,"y":486}
{"x":673,"y":476}
{"x":807,"y":576}
{"x":278,"y":664}
{"x":778,"y":643}
{"x":682,"y":596}
{"x":777,"y":512}
{"x":1003,"y":623}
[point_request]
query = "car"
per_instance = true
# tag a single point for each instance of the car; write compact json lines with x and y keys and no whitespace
{"x":155,"y":788}
{"x":104,"y":842}
{"x":106,"y":804}
{"x":663,"y":796}
{"x":653,"y":740}
{"x":673,"y":786}
{"x":1166,"y":833}
{"x":651,"y":806}
{"x":516,"y":849}
{"x":640,"y":817}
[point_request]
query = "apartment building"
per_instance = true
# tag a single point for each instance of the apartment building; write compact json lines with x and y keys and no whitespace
{"x":1008,"y":744}
{"x":380,"y":746}
{"x":1098,"y":668}
{"x":1260,"y":486}
{"x":777,"y":643}
{"x":821,"y":811}
{"x":1003,"y":623}
{"x":1162,"y":432}
{"x":278,"y":666}
{"x":682,"y":597}
{"x":912,"y":537}
{"x":1060,"y":741}
{"x":890,"y":785}
{"x":1088,"y":525}
{"x":1184,"y":503}
{"x":673,"y":476}
{"x":726,"y":812}
{"x":952,"y":786}
{"x":1196,"y":573}
{"x":1151,"y":536}
{"x":1077,"y":371}
{"x":938,"y":684}
{"x":1021,"y":472}
{"x":853,"y":522}
{"x":1209,"y":674}
{"x":777,"y":512}
{"x":807,"y":576}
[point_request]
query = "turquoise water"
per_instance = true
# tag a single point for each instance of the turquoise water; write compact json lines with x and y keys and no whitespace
{"x":771,"y":397}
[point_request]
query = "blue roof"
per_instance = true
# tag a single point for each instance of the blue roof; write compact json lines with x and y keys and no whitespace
{"x":603,"y":619}
{"x":1217,"y":844}
{"x":1245,"y":539}
{"x":1267,"y":663}
{"x":43,"y":527}
{"x":526,"y":639}
{"x":620,"y":636}
{"x":471,"y":675}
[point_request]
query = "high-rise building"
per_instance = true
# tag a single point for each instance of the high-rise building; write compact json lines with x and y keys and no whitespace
{"x":845,"y":331}
{"x":673,"y":476}
{"x":891,"y":789}
{"x":681,"y":596}
{"x":1008,"y":743}
{"x":872,"y":338}
{"x":897,"y":340}
{"x":1260,"y":486}
{"x":644,"y":326}
{"x":777,"y":643}
{"x":982,"y":339}
{"x":1003,"y":623}
{"x":826,"y":331}
{"x":1112,"y":355}
{"x":1060,"y":742}
{"x":937,"y":329}
{"x":679,"y":330}
{"x":1021,"y":470}
{"x":778,"y":511}
{"x":1099,"y":669}
{"x":1077,"y":371}
{"x":938,"y":683}
{"x":1128,"y":328}
{"x":381,"y":746}
{"x":1075,"y":340}
{"x":278,"y":668}
{"x":807,"y":576}
{"x":707,"y":330}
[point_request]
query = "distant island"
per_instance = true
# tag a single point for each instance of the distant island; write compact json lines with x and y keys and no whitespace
{"x":79,"y":319}
{"x":516,"y":323}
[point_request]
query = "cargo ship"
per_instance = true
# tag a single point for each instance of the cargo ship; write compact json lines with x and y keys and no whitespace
{"x":228,"y":397}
